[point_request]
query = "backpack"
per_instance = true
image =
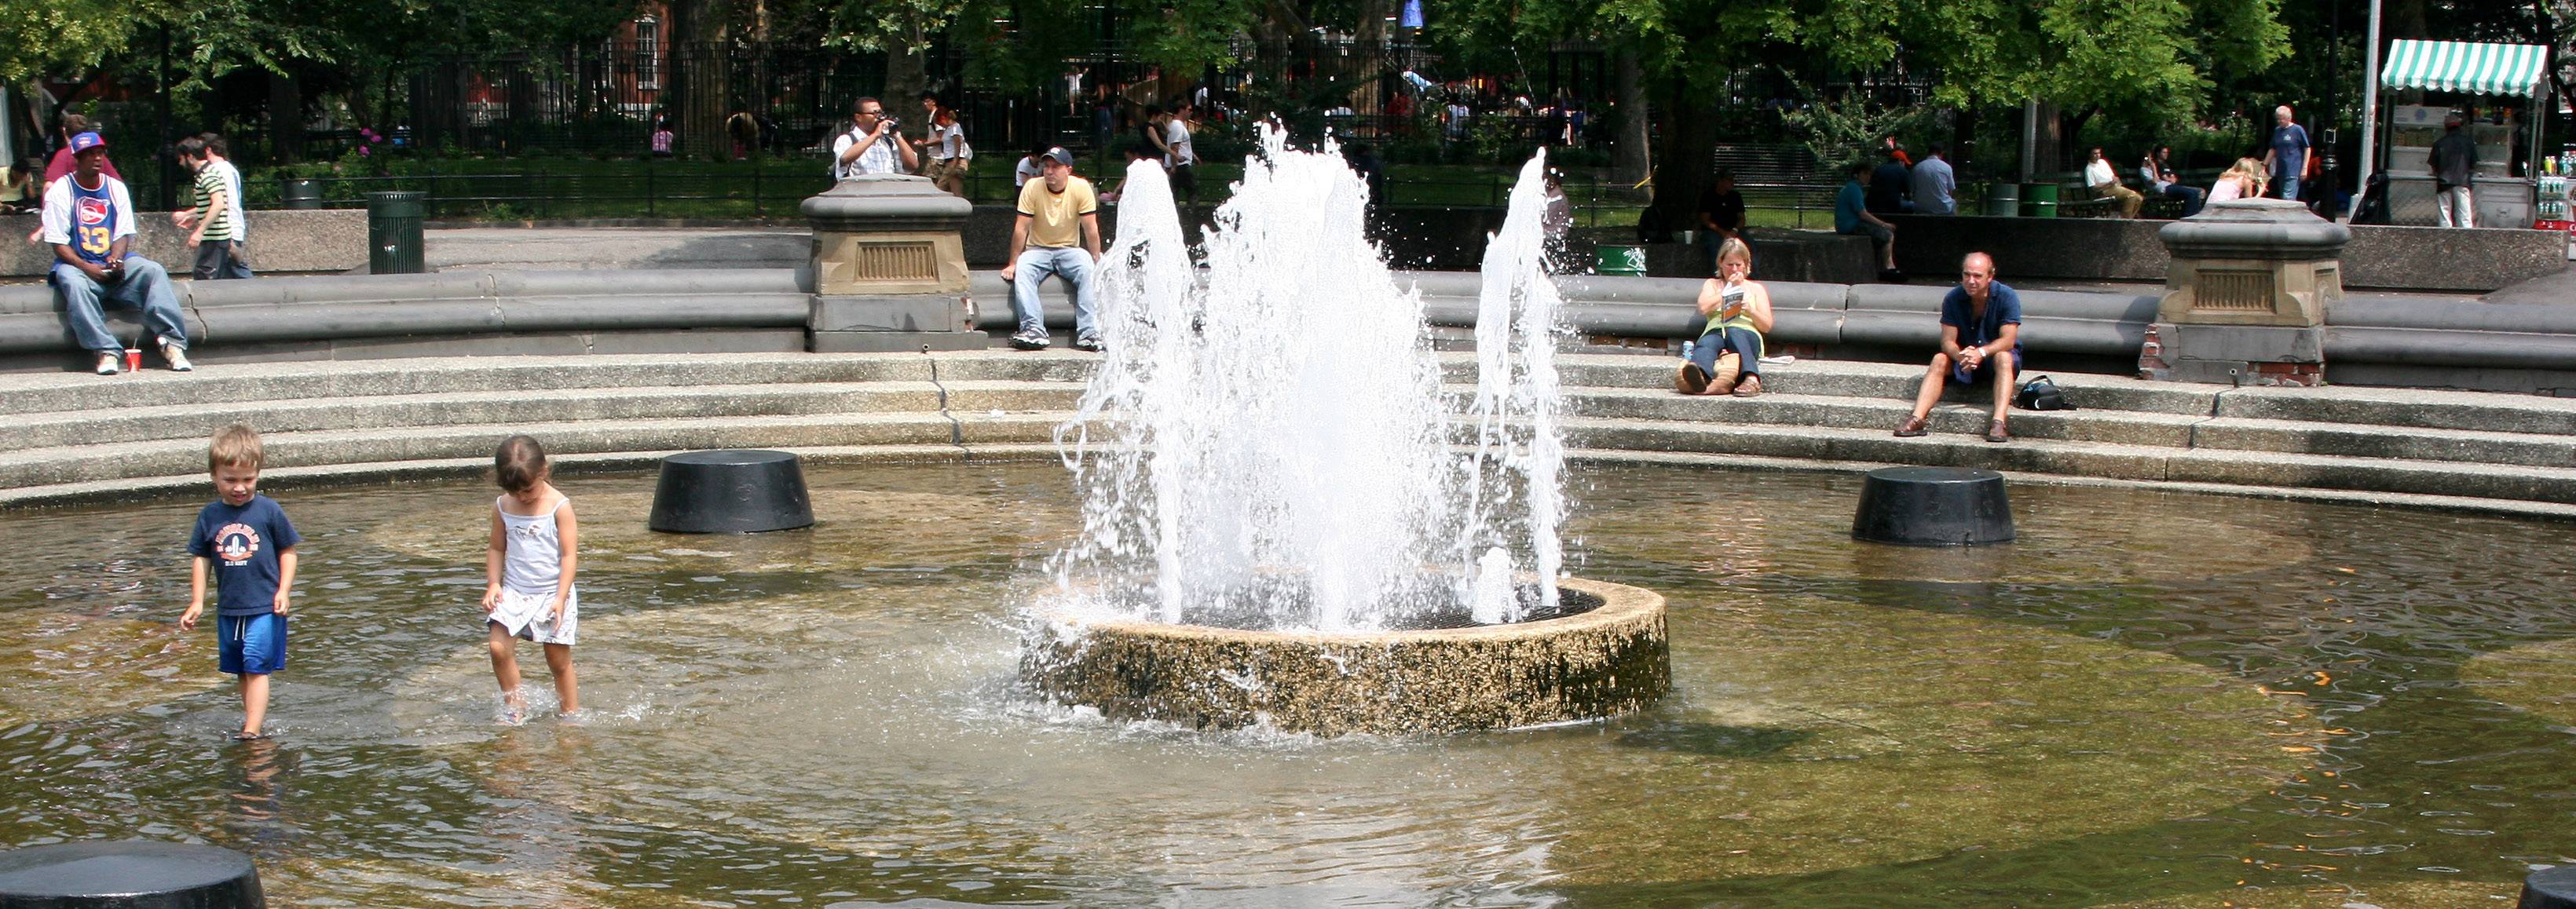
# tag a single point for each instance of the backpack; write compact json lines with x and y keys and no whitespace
{"x":2041,"y":394}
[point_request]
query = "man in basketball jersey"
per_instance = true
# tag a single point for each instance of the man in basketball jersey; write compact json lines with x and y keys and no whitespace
{"x":89,"y":221}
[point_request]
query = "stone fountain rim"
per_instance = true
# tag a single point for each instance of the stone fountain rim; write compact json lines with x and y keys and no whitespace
{"x":1621,"y":604}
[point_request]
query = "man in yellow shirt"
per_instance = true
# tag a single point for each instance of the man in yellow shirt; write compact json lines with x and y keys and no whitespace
{"x":1058,"y":233}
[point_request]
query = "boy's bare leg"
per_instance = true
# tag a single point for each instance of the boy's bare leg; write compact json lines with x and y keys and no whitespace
{"x":254,"y":694}
{"x":559,"y":662}
{"x":505,"y":664}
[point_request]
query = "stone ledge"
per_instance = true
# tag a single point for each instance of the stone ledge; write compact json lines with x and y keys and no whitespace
{"x":281,"y":242}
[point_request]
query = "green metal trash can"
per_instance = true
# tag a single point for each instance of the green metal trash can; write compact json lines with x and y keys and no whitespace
{"x":304,"y":194}
{"x":2039,"y":200}
{"x":1619,"y":259}
{"x":2003,"y":200}
{"x":393,"y":232}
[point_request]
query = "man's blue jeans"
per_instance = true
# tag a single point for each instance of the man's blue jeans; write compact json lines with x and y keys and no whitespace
{"x":145,"y":286}
{"x":1035,"y":265}
{"x":2289,"y":186}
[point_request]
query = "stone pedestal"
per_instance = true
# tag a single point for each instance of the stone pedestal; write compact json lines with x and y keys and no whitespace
{"x":2245,"y":295}
{"x":889,"y":268}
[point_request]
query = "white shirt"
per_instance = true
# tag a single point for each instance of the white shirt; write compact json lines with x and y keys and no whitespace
{"x":1934,"y":183}
{"x":57,"y":218}
{"x":940,"y":149}
{"x":878,"y":159}
{"x":1027,"y":171}
{"x":1177,"y":135}
{"x":233,"y":197}
{"x":2100,"y":172}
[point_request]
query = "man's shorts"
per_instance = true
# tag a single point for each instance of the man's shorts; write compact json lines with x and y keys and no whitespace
{"x":1984,"y":373}
{"x":250,"y":644}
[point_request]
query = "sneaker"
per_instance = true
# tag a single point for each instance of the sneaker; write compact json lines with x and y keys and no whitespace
{"x":1026,"y":341}
{"x":178,"y":357}
{"x":1087,"y":344}
{"x":107,"y":365}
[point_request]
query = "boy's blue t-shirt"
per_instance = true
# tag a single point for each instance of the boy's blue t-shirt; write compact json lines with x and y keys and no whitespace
{"x":243,"y":543}
{"x":1848,"y":205}
{"x":2002,"y":306}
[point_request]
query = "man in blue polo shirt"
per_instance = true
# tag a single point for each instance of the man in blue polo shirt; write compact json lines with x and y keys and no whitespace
{"x":89,"y":221}
{"x":1980,"y":342}
{"x":1851,"y":216}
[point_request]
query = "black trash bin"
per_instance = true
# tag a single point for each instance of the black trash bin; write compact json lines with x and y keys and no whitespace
{"x":393,"y":232}
{"x":303,"y":194}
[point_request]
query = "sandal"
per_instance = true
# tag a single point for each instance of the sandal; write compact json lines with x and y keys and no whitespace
{"x":1752,"y":385}
{"x":1691,"y":380}
{"x":1995,"y":432}
{"x":1912,"y":427}
{"x":249,"y":736}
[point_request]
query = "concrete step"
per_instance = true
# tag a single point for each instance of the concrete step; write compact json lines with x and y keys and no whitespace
{"x":327,"y":475}
{"x":1854,"y":379}
{"x":2120,"y":427}
{"x":179,"y":457}
{"x":522,"y":407}
{"x":25,"y":393}
{"x":1948,"y":447}
{"x":2529,"y":449}
{"x":2112,"y":426}
{"x":2417,"y":407}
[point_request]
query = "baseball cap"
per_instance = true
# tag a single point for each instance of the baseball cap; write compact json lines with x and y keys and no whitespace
{"x":1058,"y":155}
{"x":86,"y":141}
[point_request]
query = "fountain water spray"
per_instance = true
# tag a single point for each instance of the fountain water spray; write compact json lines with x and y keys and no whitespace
{"x":1268,"y":439}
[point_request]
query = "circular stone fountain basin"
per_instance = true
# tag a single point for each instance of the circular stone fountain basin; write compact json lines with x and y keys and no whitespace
{"x":1603,"y":661}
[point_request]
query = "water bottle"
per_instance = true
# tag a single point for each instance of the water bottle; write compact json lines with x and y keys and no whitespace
{"x":1688,"y":347}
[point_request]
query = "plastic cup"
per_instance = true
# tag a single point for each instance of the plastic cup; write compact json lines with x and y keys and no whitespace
{"x":133,"y":359}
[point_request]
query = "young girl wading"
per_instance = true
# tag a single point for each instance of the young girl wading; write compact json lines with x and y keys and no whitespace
{"x":528,"y":573}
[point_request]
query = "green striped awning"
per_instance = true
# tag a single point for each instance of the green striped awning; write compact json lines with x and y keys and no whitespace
{"x":2459,"y":66}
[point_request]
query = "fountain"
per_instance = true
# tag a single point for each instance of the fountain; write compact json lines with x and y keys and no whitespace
{"x":1286,"y":520}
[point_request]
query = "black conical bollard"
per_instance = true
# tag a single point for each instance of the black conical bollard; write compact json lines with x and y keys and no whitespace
{"x":2551,"y":889}
{"x":1933,"y":506}
{"x":731,"y":491}
{"x":128,"y":874}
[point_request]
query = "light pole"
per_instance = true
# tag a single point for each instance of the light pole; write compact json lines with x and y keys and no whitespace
{"x":2369,"y":111}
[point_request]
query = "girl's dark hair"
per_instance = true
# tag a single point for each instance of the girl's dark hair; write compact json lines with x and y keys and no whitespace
{"x":518,"y":464}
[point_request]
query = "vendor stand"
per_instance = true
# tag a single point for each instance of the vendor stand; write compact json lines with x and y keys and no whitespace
{"x":2464,"y":78}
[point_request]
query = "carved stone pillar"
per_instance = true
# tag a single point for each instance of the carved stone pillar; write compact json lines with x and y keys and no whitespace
{"x":889,"y":269}
{"x":2245,"y":295}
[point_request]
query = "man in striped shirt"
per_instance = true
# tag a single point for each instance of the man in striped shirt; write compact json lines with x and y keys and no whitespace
{"x":216,"y":223}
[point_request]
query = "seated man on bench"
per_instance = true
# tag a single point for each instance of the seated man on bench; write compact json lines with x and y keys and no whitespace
{"x":89,"y":221}
{"x":1980,"y":342}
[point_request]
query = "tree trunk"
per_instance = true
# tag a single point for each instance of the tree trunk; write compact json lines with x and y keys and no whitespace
{"x":1630,"y":161}
{"x":701,"y":37}
{"x":1688,"y":145}
{"x":1367,"y":96}
{"x":285,"y":119}
{"x":907,"y":73}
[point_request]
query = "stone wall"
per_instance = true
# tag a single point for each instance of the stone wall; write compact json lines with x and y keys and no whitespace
{"x":327,"y":241}
{"x":2113,"y":249}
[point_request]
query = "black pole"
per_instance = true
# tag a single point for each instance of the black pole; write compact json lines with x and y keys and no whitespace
{"x":161,"y":149}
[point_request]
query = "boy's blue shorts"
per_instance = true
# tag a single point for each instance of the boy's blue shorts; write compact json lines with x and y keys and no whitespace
{"x":250,"y":644}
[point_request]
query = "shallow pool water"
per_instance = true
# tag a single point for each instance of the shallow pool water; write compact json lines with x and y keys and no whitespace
{"x":2149,"y":699}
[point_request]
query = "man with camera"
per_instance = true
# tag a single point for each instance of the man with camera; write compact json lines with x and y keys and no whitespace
{"x":872,"y":145}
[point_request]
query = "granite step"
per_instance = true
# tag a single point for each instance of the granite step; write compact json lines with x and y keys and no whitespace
{"x":534,"y":406}
{"x":187,"y":456}
{"x":1953,"y":447}
{"x":25,"y":393}
{"x":2113,"y":426}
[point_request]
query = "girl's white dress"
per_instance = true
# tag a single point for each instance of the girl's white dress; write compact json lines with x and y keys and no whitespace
{"x":531,"y":568}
